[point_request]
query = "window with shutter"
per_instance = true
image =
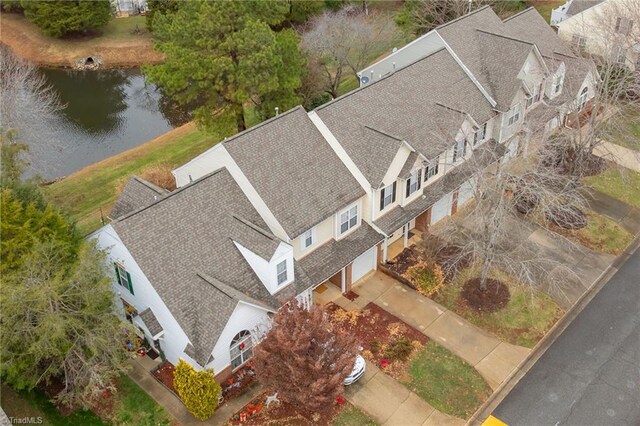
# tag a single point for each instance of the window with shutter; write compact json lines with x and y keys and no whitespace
{"x":123,"y":277}
{"x":387,"y":196}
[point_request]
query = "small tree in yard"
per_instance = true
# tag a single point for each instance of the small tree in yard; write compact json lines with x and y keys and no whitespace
{"x":198,"y":390}
{"x":304,"y":359}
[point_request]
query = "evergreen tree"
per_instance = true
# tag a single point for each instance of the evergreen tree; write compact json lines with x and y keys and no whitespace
{"x":222,"y":56}
{"x":198,"y":390}
{"x":60,"y":17}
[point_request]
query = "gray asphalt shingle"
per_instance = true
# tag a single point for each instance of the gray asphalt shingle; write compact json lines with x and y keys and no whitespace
{"x":137,"y":193}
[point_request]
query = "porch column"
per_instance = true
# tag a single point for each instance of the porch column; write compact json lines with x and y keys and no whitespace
{"x":405,"y":235}
{"x":344,"y":280}
{"x":385,"y":246}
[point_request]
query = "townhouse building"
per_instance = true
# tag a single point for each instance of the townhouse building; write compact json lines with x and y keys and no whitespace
{"x":320,"y":197}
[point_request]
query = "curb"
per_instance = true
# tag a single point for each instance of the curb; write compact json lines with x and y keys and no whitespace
{"x":536,"y":353}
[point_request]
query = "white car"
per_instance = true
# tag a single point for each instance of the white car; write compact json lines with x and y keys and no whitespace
{"x":359,"y":368}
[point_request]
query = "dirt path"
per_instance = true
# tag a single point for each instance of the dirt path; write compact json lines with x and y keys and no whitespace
{"x":114,"y":50}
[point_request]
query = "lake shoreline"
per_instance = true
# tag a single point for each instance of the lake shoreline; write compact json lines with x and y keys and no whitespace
{"x":117,"y":48}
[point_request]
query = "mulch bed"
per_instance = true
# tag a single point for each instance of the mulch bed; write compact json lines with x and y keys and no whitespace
{"x":283,"y":413}
{"x":351,"y":295}
{"x":571,"y":218}
{"x":375,"y":328}
{"x":236,"y":385}
{"x":164,"y":373}
{"x":407,"y":258}
{"x":495,"y":297}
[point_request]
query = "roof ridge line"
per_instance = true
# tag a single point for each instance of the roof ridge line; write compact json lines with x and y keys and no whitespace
{"x":359,"y":89}
{"x":399,"y":139}
{"x":210,"y":280}
{"x":261,"y":124}
{"x":504,"y":36}
{"x":519,"y":13}
{"x":464,"y":16}
{"x":171,"y":194}
{"x":150,"y":185}
{"x":256,"y":228}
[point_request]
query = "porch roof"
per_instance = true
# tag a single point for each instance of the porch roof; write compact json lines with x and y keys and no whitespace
{"x":400,"y":215}
{"x":148,"y":317}
{"x":327,"y":260}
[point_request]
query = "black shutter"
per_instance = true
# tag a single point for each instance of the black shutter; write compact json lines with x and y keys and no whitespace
{"x":382,"y":199}
{"x":393,"y":193}
{"x":408,"y":186}
{"x":419,"y":178}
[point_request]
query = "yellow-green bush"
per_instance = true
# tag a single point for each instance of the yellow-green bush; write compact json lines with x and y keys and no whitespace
{"x":198,"y":390}
{"x":427,"y":277}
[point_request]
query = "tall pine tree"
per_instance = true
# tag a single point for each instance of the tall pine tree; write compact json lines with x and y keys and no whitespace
{"x":222,"y":56}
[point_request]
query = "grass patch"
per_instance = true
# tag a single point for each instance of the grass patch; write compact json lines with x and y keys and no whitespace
{"x":352,"y":416}
{"x":136,"y":407}
{"x":445,"y":381}
{"x":601,"y":234}
{"x":544,"y":7}
{"x":624,"y":128}
{"x":122,"y":28}
{"x":20,"y":404}
{"x":621,"y":184}
{"x":85,"y":192}
{"x":524,"y":321}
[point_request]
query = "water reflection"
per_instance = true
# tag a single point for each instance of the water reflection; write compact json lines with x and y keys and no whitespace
{"x":106,"y":112}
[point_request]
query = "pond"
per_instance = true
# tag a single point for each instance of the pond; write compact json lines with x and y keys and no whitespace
{"x":104,"y":112}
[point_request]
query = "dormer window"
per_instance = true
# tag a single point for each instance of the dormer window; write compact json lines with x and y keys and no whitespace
{"x":387,"y":196}
{"x":480,"y":134}
{"x":535,"y":97}
{"x":582,"y":101}
{"x":623,"y":25}
{"x":414,"y":182}
{"x":459,"y":149}
{"x":579,"y":43}
{"x":281,"y":270}
{"x":431,"y":170}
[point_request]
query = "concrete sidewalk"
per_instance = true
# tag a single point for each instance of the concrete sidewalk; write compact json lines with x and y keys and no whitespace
{"x":176,"y":408}
{"x":390,"y":403}
{"x":618,"y":154}
{"x":493,"y":359}
{"x":625,"y":215}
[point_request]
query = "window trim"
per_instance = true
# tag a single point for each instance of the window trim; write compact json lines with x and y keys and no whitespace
{"x":582,"y":99}
{"x":308,"y":234}
{"x":241,"y":339}
{"x":415,"y":181}
{"x":579,"y":42}
{"x":514,"y":116}
{"x":456,"y":150}
{"x":352,"y":222}
{"x":120,"y":269}
{"x":279,"y":273}
{"x":383,"y":195}
{"x":556,"y":84}
{"x":429,"y":169}
{"x":477,"y":132}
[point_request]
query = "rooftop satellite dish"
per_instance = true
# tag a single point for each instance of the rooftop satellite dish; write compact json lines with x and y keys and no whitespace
{"x":364,"y":79}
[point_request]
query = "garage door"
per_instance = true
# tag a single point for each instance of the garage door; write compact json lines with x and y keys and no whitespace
{"x":442,"y":208}
{"x":466,"y":191}
{"x":364,"y":263}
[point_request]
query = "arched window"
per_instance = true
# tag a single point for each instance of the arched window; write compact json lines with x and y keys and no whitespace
{"x":583,"y":98}
{"x":241,"y":349}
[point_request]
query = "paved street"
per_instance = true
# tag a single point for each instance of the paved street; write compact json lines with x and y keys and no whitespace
{"x":591,"y":374}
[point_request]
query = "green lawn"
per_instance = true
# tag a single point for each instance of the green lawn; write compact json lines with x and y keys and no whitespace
{"x":35,"y":404}
{"x":544,"y":7}
{"x":122,"y":28}
{"x":621,"y":184}
{"x":602,"y":234}
{"x":351,"y":416}
{"x":445,"y":381}
{"x":132,"y":407}
{"x":85,"y":192}
{"x":524,"y":321}
{"x":624,"y":128}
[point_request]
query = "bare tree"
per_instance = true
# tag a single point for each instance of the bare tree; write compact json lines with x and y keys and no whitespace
{"x":345,"y":41}
{"x":28,"y":102}
{"x":607,"y":42}
{"x":421,"y":16}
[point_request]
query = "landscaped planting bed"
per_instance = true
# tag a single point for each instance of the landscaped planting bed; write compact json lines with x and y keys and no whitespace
{"x":241,"y":381}
{"x":524,"y":320}
{"x":283,"y":413}
{"x":386,"y":340}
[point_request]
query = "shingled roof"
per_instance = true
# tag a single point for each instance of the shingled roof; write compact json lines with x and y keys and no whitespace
{"x":294,"y":170}
{"x":427,"y":117}
{"x":137,"y":193}
{"x":184,"y":245}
